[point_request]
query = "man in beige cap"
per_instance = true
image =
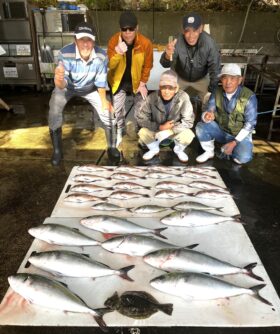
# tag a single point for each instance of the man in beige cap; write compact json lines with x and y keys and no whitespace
{"x":230,"y":119}
{"x":166,"y":113}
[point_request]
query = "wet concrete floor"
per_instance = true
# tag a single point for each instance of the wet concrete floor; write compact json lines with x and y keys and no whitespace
{"x":30,"y":187}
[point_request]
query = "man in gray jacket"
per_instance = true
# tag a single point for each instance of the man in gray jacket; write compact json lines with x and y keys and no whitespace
{"x":167,"y":113}
{"x":194,"y":56}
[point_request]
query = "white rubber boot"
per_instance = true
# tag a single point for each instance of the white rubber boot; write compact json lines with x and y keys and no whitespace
{"x":208,"y":147}
{"x":153,"y":150}
{"x":179,"y":151}
{"x":119,"y":136}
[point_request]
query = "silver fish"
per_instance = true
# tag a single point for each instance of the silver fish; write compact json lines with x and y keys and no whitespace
{"x":188,"y":260}
{"x":125,"y":176}
{"x":82,"y":198}
{"x":205,"y":169}
{"x":107,"y":207}
{"x":169,"y":194}
{"x":159,"y":175}
{"x":88,"y":178}
{"x":43,"y":291}
{"x":206,"y":185}
{"x":195,"y":218}
{"x":197,"y":175}
{"x":88,"y":188}
{"x":147,"y":209}
{"x":115,"y":225}
{"x":121,"y":194}
{"x":128,"y":186}
{"x":194,"y":286}
{"x":136,"y":245}
{"x":164,"y":169}
{"x":194,"y":205}
{"x":211,"y":194}
{"x":93,"y":168}
{"x":71,"y":264}
{"x":169,"y":185}
{"x":61,"y":235}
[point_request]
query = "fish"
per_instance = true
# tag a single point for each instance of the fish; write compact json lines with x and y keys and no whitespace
{"x":197,"y":175}
{"x":129,"y":169}
{"x":82,"y":198}
{"x":205,"y":169}
{"x":194,"y":205}
{"x":137,"y":304}
{"x":136,"y":245}
{"x":71,"y":264}
{"x":211,"y":194}
{"x":125,"y":176}
{"x":93,"y":168}
{"x":46,"y":292}
{"x":165,"y":193}
{"x":88,"y":178}
{"x":169,"y":185}
{"x":195,"y":218}
{"x":107,"y":207}
{"x":189,"y":260}
{"x":164,"y":169}
{"x":88,"y":188}
{"x":121,"y":194}
{"x":128,"y":186}
{"x":159,"y":175}
{"x":199,"y":287}
{"x":147,"y":209}
{"x":114,"y":225}
{"x":62,"y":235}
{"x":207,"y":186}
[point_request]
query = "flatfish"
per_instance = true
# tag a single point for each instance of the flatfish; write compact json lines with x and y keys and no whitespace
{"x":137,"y":304}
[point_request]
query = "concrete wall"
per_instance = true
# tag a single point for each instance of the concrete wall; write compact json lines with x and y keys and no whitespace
{"x":260,"y":32}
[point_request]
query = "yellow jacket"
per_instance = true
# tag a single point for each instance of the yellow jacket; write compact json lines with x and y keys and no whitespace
{"x":142,"y":62}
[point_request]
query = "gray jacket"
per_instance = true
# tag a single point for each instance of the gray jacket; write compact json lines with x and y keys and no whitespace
{"x":193,"y":63}
{"x":152,"y":114}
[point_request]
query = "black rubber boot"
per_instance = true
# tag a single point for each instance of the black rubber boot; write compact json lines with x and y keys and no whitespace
{"x":56,"y":136}
{"x":111,"y":137}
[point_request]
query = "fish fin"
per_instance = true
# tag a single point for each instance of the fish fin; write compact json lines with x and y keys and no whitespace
{"x":256,"y":290}
{"x":131,"y":209}
{"x":219,"y":209}
{"x":87,"y":255}
{"x":27,"y":264}
{"x":146,"y":195}
{"x":166,"y":308}
{"x":75,"y":229}
{"x":249,"y":268}
{"x":158,"y":230}
{"x":123,"y":273}
{"x":98,"y":318}
{"x":237,"y":217}
{"x":192,"y":246}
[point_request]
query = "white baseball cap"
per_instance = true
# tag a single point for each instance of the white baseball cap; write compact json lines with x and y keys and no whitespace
{"x":230,"y":69}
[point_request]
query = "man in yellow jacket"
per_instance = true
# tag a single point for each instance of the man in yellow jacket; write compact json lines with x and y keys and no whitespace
{"x":130,"y":61}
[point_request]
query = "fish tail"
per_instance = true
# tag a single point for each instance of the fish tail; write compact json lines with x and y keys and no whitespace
{"x":249,"y":271}
{"x":131,"y":209}
{"x":219,"y":209}
{"x":166,"y":308}
{"x":158,"y":232}
{"x":256,"y":290}
{"x":98,"y":317}
{"x":191,"y":246}
{"x":123,"y":273}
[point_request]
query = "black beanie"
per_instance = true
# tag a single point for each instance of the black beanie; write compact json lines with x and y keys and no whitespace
{"x":128,"y":19}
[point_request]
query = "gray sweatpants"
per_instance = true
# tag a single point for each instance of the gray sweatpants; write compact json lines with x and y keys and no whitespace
{"x":59,"y":99}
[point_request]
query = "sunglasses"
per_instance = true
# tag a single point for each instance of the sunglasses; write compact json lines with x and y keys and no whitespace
{"x":167,"y":87}
{"x":128,"y":28}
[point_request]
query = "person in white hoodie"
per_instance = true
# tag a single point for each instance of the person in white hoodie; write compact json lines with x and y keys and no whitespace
{"x":230,"y":118}
{"x":166,"y":113}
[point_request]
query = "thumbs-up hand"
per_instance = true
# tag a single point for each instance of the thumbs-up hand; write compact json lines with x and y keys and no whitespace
{"x":121,"y":47}
{"x":59,"y":74}
{"x":170,"y":48}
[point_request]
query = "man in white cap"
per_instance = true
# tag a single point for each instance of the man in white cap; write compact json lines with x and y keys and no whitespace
{"x":166,"y":113}
{"x":81,"y":71}
{"x":230,"y":118}
{"x":194,"y":56}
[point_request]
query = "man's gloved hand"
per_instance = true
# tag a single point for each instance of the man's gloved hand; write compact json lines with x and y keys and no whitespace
{"x":142,"y":89}
{"x":229,"y":147}
{"x":121,"y":47}
{"x":161,"y":135}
